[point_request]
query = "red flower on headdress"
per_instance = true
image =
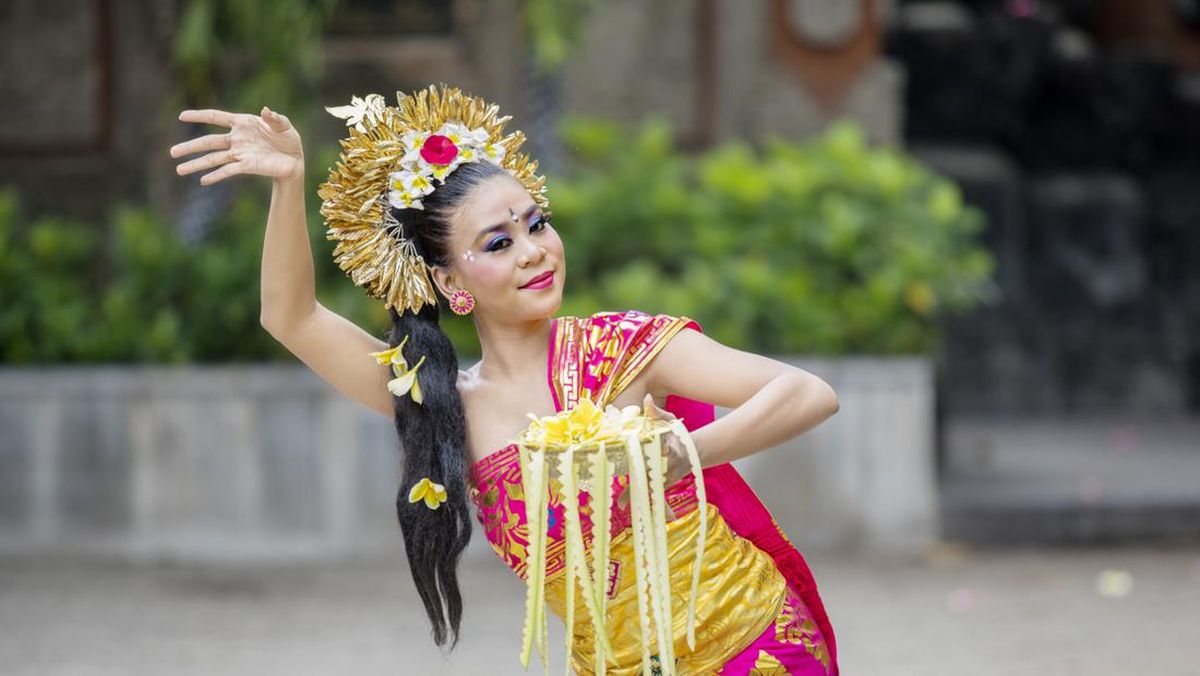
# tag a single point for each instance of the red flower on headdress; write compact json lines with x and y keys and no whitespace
{"x":439,"y":149}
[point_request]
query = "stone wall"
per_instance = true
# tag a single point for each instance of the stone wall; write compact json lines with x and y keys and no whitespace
{"x":270,"y":462}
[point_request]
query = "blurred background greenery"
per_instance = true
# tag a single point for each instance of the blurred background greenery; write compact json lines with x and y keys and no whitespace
{"x":825,"y":247}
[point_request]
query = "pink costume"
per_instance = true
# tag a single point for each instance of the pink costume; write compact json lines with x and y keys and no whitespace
{"x":758,"y":609}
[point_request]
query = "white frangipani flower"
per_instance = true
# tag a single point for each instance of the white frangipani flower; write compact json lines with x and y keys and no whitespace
{"x":493,"y":152}
{"x":414,"y":176}
{"x":360,"y":109}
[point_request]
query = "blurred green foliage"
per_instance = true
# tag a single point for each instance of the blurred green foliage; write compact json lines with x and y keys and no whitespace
{"x":240,"y":55}
{"x":69,"y":293}
{"x":553,"y":28}
{"x":826,"y":247}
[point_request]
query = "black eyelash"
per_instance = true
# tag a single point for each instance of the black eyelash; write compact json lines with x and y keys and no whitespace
{"x":541,"y":218}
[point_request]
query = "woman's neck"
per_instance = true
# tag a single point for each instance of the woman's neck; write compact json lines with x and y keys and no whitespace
{"x":509,"y":350}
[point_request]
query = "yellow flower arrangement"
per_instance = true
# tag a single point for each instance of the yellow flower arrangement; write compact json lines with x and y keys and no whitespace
{"x":585,"y":423}
{"x":585,"y":447}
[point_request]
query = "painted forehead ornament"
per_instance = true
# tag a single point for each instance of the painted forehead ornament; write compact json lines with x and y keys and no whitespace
{"x":393,"y":157}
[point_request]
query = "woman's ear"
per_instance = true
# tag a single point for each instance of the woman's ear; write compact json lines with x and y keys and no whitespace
{"x":443,"y":279}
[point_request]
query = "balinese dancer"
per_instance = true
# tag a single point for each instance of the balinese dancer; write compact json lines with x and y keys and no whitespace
{"x":433,"y":194}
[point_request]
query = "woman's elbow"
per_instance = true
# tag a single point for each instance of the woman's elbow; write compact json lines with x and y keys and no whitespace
{"x":824,"y":395}
{"x":831,"y":400}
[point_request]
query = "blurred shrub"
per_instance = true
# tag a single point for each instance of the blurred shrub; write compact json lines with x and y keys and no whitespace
{"x":825,"y":247}
{"x":240,"y":55}
{"x":822,"y":248}
{"x":554,"y":28}
{"x":68,"y":293}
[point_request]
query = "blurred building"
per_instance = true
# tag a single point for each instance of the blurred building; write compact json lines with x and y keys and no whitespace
{"x":1074,"y":125}
{"x":84,"y":85}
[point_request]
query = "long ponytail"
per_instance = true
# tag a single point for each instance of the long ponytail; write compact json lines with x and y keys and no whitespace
{"x":432,"y":434}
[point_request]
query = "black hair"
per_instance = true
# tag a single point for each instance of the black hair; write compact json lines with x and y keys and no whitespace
{"x":433,"y":433}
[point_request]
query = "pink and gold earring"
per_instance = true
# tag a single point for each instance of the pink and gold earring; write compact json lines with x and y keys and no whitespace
{"x":461,"y":302}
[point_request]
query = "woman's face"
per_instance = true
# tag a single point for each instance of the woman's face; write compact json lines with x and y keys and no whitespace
{"x":500,"y":241}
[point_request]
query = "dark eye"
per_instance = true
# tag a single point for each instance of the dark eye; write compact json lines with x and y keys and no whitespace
{"x":496,"y":244}
{"x":539,"y":223}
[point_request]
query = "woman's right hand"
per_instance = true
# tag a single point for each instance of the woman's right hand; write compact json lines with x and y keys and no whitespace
{"x":264,"y":145}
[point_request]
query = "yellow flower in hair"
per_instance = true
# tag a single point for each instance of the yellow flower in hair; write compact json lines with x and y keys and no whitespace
{"x":392,"y":356}
{"x":433,"y":494}
{"x":405,"y":381}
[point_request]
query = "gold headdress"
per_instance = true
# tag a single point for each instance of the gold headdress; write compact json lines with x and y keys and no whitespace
{"x":391,"y":158}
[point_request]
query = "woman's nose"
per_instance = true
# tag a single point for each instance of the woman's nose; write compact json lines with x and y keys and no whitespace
{"x":534,"y":253}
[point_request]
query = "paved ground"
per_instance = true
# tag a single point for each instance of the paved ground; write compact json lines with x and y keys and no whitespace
{"x":957,"y":613}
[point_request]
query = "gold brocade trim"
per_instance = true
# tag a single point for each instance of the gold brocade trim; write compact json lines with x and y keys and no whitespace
{"x":768,"y":665}
{"x":628,"y":369}
{"x":741,"y":593}
{"x":599,"y":356}
{"x":565,"y":344}
{"x":797,"y":628}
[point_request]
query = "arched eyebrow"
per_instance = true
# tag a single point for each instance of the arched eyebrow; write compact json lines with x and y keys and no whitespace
{"x":500,"y":226}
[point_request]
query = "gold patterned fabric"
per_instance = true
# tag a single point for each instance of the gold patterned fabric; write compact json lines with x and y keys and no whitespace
{"x":744,"y":597}
{"x":741,"y":591}
{"x":616,"y":346}
{"x":768,"y":665}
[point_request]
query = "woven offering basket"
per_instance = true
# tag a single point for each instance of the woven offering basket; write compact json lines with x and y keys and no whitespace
{"x":616,"y":451}
{"x":580,"y":451}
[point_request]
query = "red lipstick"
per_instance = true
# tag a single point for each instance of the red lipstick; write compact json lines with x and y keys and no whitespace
{"x":541,"y":281}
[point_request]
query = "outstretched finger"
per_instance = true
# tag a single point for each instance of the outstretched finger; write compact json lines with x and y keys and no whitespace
{"x":208,"y":116}
{"x":207,"y":162}
{"x":209,"y":142}
{"x":274,"y":120}
{"x":231,"y":169}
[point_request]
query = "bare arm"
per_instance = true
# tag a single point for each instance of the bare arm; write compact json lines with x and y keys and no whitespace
{"x":328,"y":343}
{"x":289,"y":293}
{"x":331,"y":345}
{"x":772,"y":402}
{"x":336,"y":349}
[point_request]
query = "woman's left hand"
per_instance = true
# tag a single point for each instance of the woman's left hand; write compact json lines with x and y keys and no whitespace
{"x":674,"y":454}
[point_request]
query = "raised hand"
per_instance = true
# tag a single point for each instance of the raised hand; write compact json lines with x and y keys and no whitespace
{"x":265,"y":145}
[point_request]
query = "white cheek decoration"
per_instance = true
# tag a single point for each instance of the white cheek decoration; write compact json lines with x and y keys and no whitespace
{"x":468,"y":255}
